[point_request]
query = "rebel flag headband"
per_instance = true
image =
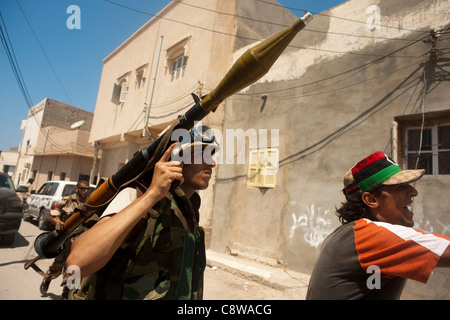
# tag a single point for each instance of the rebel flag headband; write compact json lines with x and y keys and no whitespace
{"x":377,"y":169}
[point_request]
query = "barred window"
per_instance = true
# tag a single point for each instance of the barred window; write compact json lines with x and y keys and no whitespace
{"x":423,"y":141}
{"x":177,"y":68}
{"x":429,"y":148}
{"x":177,"y":56}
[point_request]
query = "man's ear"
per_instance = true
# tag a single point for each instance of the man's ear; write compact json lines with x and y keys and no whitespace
{"x":370,"y":200}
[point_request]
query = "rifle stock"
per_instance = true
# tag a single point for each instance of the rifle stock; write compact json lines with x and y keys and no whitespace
{"x":250,"y":67}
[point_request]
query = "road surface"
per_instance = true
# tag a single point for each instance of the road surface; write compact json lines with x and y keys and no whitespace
{"x":16,"y":283}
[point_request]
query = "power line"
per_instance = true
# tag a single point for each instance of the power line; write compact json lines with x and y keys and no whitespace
{"x":238,"y":36}
{"x":16,"y":68}
{"x":308,"y":29}
{"x":7,"y":45}
{"x":356,"y":69}
{"x":6,"y":41}
{"x":362,"y":117}
{"x":413,"y":41}
{"x":363,"y":66}
{"x":407,"y":84}
{"x":174,"y":100}
{"x":45,"y":54}
{"x":312,"y":93}
{"x":335,"y":17}
{"x":7,"y":120}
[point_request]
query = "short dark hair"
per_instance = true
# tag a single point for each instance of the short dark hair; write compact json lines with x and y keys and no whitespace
{"x":354,"y":208}
{"x":82,"y":182}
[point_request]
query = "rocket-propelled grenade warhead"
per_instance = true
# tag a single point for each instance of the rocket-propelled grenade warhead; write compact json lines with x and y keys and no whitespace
{"x":253,"y":64}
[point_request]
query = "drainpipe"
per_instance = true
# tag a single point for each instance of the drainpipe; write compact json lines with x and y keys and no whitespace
{"x":94,"y":163}
{"x":150,"y":96}
{"x":42,"y":157}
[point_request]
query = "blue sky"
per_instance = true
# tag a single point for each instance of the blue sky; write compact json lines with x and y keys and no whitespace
{"x":66,"y":64}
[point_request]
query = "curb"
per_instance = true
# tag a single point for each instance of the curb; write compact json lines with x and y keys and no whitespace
{"x":274,"y":277}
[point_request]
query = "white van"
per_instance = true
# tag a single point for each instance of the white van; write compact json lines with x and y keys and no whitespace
{"x":39,"y":204}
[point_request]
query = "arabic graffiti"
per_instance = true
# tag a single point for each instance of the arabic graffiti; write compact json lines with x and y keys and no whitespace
{"x":315,"y":225}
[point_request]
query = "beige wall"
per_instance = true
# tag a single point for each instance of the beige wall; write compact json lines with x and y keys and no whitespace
{"x":73,"y":166}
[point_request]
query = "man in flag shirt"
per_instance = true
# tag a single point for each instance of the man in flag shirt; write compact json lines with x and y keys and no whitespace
{"x":375,"y":250}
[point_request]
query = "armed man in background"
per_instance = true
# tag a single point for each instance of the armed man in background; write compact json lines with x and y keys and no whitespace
{"x":376,"y":236}
{"x":147,"y":243}
{"x":63,"y":211}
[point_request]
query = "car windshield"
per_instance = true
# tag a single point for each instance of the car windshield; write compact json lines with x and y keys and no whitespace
{"x":6,"y":183}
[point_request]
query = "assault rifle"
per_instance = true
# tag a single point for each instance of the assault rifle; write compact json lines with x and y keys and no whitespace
{"x":250,"y":67}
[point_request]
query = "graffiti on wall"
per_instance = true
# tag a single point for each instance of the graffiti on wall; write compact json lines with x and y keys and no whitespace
{"x":315,"y":224}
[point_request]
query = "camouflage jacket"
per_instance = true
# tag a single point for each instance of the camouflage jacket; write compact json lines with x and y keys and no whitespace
{"x":162,"y":258}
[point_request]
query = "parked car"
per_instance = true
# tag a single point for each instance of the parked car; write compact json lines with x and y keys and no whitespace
{"x":39,"y":204}
{"x":10,"y":210}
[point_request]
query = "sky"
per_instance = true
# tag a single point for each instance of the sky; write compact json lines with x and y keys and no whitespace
{"x":58,"y":60}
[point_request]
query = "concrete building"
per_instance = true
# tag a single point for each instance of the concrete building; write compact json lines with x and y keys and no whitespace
{"x":8,"y":161}
{"x":55,"y":144}
{"x":148,"y":80}
{"x":363,"y":76}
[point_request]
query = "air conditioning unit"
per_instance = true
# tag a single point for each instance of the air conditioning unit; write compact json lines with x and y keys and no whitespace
{"x":27,"y":165}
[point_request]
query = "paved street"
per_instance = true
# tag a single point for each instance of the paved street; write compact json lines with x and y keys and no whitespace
{"x":19,"y":284}
{"x":16,"y":283}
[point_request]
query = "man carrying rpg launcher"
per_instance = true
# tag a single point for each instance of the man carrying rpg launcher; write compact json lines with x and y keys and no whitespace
{"x":147,"y":243}
{"x":112,"y":241}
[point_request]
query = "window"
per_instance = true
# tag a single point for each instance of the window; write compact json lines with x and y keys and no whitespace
{"x":140,"y":79}
{"x":120,"y":90}
{"x":262,"y":168}
{"x":177,"y":68}
{"x":123,"y":91}
{"x":424,"y":143}
{"x":177,"y":56}
{"x":429,"y":149}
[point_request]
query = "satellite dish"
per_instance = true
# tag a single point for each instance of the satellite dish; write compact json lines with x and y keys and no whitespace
{"x":77,"y":124}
